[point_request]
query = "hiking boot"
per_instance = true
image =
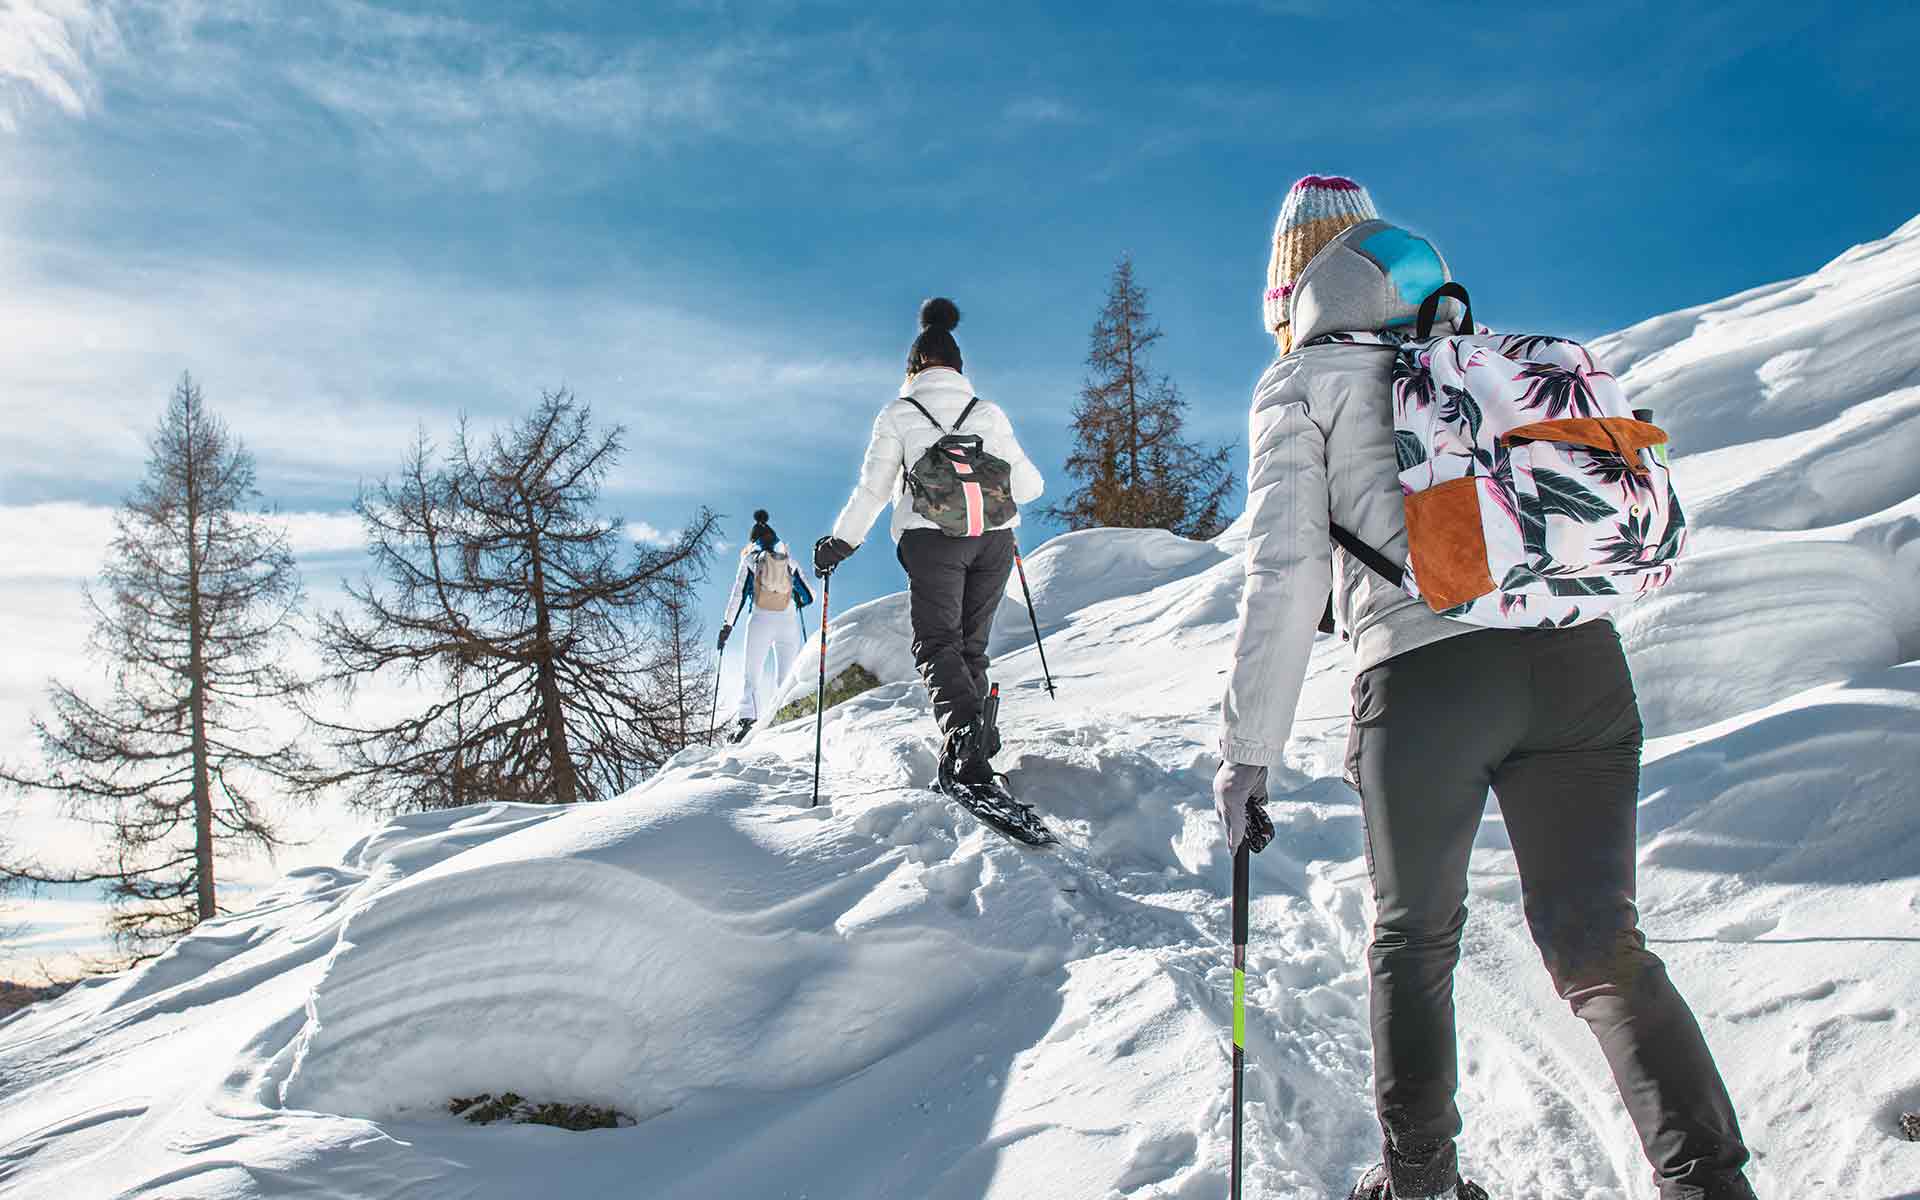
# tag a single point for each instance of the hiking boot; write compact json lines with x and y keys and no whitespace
{"x":1375,"y":1185}
{"x":964,"y":758}
{"x":740,"y":732}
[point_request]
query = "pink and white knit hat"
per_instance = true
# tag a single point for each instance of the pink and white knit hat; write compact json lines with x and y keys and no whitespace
{"x":1318,"y":209}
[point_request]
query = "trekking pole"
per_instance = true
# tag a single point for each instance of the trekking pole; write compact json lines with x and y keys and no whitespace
{"x":713,"y":722}
{"x":1021,"y":566}
{"x":820,"y":698}
{"x":1240,"y":860}
{"x":719,"y":670}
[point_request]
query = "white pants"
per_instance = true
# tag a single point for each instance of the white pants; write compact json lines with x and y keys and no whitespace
{"x":772,"y":643}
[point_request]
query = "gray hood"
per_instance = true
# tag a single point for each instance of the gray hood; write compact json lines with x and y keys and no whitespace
{"x":1373,"y":276}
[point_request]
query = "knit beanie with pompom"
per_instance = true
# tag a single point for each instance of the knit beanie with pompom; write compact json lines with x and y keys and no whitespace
{"x":935,"y":346}
{"x":1317,"y":209}
{"x":762,"y":534}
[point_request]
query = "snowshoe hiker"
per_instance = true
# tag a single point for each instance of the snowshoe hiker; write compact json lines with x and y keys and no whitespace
{"x":772,"y":589}
{"x":1444,"y":711}
{"x":955,"y":474}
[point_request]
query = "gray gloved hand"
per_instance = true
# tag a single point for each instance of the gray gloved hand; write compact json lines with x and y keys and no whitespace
{"x":1240,"y":797}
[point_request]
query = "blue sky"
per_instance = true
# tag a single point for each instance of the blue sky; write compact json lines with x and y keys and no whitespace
{"x":714,"y":220}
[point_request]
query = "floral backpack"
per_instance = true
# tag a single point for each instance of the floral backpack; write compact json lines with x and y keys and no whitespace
{"x":1535,"y":496}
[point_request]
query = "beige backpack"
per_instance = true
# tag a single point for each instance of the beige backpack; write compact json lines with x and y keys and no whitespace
{"x":772,"y":581}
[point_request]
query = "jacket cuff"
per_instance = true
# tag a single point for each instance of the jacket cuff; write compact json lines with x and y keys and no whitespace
{"x":1249,"y":752}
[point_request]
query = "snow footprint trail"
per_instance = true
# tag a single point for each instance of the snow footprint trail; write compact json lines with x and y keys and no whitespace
{"x":1139,"y":879}
{"x":1542,"y":1117}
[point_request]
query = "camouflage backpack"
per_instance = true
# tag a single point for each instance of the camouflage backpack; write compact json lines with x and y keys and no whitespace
{"x":959,"y":486}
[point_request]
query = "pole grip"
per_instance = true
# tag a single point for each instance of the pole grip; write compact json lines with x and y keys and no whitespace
{"x":1241,"y":859}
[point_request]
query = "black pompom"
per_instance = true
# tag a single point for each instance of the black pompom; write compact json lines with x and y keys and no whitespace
{"x":939,"y":313}
{"x":759,"y":516}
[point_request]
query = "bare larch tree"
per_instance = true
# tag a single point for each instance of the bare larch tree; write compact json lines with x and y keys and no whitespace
{"x":687,"y":668}
{"x":1131,"y":464}
{"x":527,"y":623}
{"x":194,"y":615}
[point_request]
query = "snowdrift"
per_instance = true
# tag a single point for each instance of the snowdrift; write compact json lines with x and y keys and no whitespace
{"x":1795,"y":410}
{"x":879,"y":998}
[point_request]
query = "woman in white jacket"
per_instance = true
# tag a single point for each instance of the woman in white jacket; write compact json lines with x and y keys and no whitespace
{"x":772,"y":589}
{"x":955,"y":582}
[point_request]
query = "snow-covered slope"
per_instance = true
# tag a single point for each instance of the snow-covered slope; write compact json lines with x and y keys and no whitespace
{"x":878,"y":998}
{"x":1795,"y":409}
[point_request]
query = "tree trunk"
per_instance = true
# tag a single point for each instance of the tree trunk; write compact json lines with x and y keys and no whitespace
{"x":197,"y":691}
{"x":565,"y":785}
{"x":1133,"y":403}
{"x":202,"y":778}
{"x":679,"y":677}
{"x":458,"y":784}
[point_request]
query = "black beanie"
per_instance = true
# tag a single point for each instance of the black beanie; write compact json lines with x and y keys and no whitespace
{"x":935,"y":346}
{"x":762,"y":534}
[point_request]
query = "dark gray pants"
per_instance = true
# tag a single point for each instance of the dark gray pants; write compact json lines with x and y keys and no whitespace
{"x":1548,"y":720}
{"x":954,"y":586}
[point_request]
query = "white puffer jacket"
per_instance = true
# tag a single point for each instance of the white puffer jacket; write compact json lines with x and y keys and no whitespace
{"x":901,"y":435}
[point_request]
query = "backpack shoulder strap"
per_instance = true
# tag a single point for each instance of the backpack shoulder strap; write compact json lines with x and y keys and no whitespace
{"x":965,"y":413}
{"x":1375,"y":561}
{"x":929,"y":416}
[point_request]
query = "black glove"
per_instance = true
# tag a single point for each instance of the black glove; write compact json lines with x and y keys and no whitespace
{"x":828,"y":553}
{"x":724,"y":631}
{"x":1259,"y":824}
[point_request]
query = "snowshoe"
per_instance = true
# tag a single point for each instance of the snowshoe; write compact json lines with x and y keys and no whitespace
{"x":968,"y":777}
{"x":995,"y":806}
{"x":1375,"y":1185}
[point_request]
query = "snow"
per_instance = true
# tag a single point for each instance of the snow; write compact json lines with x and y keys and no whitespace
{"x":1795,"y":412}
{"x":880,"y":998}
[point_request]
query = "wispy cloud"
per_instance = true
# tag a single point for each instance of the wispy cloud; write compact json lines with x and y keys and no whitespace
{"x":48,"y":51}
{"x":1043,"y":110}
{"x":479,"y":101}
{"x":65,"y":539}
{"x":647,"y":533}
{"x":327,"y":374}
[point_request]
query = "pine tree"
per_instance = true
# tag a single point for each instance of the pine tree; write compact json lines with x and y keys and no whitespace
{"x":1133,"y":467}
{"x":533,"y":625}
{"x":194,"y":615}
